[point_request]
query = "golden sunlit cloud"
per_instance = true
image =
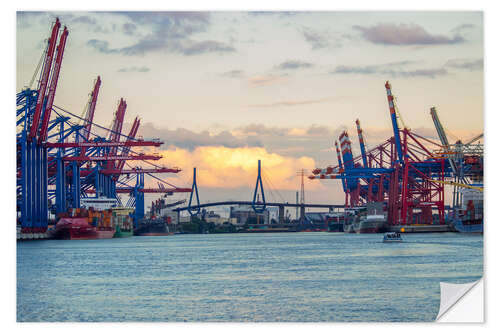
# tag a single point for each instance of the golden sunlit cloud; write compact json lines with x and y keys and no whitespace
{"x":237,"y":167}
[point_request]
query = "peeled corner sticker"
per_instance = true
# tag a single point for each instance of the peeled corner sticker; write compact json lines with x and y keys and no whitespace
{"x":461,"y":302}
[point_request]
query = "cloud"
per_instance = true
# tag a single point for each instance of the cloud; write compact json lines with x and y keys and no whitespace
{"x":293,"y":64}
{"x":264,"y":80}
{"x":129,"y":28}
{"x":290,"y":103}
{"x":461,"y":27}
{"x":225,"y":167}
{"x":273,"y":13}
{"x":260,"y":130}
{"x":206,"y":47}
{"x":234,"y":74}
{"x":319,"y":39}
{"x":101,"y":46}
{"x":425,"y":72}
{"x":394,"y":69}
{"x":187,"y":139}
{"x":142,"y":69}
{"x":466,"y":64}
{"x":86,"y":20}
{"x":318,"y":130}
{"x":404,"y":34}
{"x":170,"y":32}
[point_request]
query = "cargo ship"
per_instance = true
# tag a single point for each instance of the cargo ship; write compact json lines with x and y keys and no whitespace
{"x":370,"y":224}
{"x":122,"y":220}
{"x":351,"y":217}
{"x":87,"y":222}
{"x":153,"y":226}
{"x":468,"y":217}
{"x":161,"y":220}
{"x":74,"y":228}
{"x":105,"y":227}
{"x":336,"y":223}
{"x":366,"y":219}
{"x":81,"y":223}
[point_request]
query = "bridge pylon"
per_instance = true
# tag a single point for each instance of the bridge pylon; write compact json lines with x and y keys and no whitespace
{"x":259,"y":206}
{"x":194,"y":190}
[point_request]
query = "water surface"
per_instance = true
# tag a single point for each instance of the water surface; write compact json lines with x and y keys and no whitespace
{"x":305,"y":277}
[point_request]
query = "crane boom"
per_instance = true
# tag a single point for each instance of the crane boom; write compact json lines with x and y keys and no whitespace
{"x":53,"y":86}
{"x":111,"y":158}
{"x":442,"y":137}
{"x":395,"y":127}
{"x":130,"y":138}
{"x":474,"y":139}
{"x":341,"y":167}
{"x":457,"y":184}
{"x":116,"y":131}
{"x":361,"y":143}
{"x":98,"y":144}
{"x":89,"y":117}
{"x":45,"y":78}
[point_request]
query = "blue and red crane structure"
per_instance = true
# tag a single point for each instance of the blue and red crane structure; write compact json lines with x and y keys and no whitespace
{"x":400,"y":172}
{"x":59,"y":160}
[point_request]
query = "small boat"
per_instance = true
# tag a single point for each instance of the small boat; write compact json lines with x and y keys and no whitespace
{"x":392,"y":237}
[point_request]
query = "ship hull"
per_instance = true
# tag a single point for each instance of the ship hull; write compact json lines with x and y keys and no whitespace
{"x":74,"y":229}
{"x":152,"y":228}
{"x":336,"y":227}
{"x":474,"y":226}
{"x":105,"y":233}
{"x":122,"y":233}
{"x":154,"y":234}
{"x":369,"y":227}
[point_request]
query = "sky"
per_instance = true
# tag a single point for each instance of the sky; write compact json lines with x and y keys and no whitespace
{"x":224,"y":89}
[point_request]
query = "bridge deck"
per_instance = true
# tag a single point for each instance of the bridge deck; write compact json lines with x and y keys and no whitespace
{"x":249,"y":203}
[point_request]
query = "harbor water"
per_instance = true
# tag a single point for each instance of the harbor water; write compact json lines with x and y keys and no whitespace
{"x":285,"y":277}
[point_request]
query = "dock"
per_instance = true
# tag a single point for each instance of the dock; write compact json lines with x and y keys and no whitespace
{"x":421,"y":228}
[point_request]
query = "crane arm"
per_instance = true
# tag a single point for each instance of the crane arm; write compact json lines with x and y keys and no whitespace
{"x":89,"y":117}
{"x":116,"y":130}
{"x":44,"y":79}
{"x":53,"y":85}
{"x":131,"y":137}
{"x":395,"y":127}
{"x":474,"y":139}
{"x":362,"y":144}
{"x":442,"y":137}
{"x":457,"y":184}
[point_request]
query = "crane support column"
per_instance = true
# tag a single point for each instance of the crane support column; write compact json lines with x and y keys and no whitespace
{"x":395,"y":127}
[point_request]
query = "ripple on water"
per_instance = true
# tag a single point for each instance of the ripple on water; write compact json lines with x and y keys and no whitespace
{"x":305,"y":277}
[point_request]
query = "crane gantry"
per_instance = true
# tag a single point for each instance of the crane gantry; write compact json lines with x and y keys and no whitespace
{"x":59,"y":157}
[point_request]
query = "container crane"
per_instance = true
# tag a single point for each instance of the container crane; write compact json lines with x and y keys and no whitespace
{"x":53,"y":86}
{"x":361,"y":144}
{"x":44,"y":80}
{"x":89,"y":116}
{"x":395,"y":127}
{"x":443,"y":138}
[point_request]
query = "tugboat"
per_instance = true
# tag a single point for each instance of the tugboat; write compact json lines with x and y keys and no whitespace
{"x":392,"y":237}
